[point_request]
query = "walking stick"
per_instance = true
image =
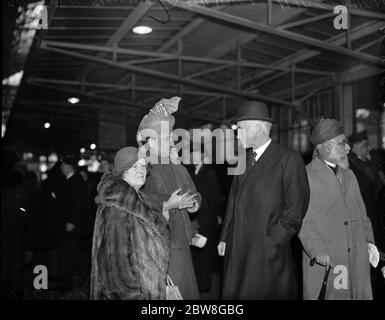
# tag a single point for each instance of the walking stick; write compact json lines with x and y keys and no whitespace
{"x":322,"y":292}
{"x":323,"y":288}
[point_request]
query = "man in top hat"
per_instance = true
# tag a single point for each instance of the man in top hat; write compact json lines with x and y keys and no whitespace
{"x":265,"y":209}
{"x":336,"y":230}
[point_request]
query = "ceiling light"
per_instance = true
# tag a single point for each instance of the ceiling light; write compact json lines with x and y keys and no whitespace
{"x":47,"y":125}
{"x":142,"y":30}
{"x":93,"y":146}
{"x":234,"y":126}
{"x":73,"y":100}
{"x":82,"y":150}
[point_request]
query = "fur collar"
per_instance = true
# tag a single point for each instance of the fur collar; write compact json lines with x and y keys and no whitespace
{"x":114,"y":191}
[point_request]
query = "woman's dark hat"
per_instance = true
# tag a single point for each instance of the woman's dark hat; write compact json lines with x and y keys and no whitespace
{"x":253,"y":110}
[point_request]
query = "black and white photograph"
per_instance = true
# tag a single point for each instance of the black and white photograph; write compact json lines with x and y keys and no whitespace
{"x":202,"y":153}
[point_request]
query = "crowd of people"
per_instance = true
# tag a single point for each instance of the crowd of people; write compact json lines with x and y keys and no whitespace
{"x":145,"y":229}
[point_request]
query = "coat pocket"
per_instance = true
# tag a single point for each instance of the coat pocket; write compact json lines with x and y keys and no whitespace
{"x":271,"y":248}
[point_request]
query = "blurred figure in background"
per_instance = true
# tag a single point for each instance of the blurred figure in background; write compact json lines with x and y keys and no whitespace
{"x":35,"y":235}
{"x":206,"y":223}
{"x":365,"y":171}
{"x":51,"y":211}
{"x":14,"y":208}
{"x":105,"y":167}
{"x":73,"y":208}
{"x":368,"y":180}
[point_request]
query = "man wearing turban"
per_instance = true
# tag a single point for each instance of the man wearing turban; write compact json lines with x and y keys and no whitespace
{"x":336,"y":231}
{"x":155,"y":130}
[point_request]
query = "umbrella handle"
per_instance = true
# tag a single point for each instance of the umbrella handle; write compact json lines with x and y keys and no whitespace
{"x":312,"y":261}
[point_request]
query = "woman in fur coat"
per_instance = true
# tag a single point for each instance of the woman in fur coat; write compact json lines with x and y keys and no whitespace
{"x":131,"y":242}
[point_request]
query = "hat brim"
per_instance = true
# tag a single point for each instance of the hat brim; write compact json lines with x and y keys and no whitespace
{"x":254,"y":118}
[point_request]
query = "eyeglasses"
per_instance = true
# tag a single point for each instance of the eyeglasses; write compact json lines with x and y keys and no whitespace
{"x":343,"y":143}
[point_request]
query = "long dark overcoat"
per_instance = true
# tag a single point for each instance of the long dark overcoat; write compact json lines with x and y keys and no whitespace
{"x":265,"y":209}
{"x":163,"y":180}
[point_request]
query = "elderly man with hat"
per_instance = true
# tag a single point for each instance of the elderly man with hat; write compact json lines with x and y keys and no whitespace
{"x":165,"y":178}
{"x":336,"y":231}
{"x":265,"y":209}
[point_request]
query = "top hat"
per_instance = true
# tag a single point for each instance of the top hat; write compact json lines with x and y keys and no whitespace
{"x":253,"y":110}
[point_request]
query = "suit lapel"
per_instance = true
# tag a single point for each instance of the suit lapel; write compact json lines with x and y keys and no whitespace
{"x":253,"y":171}
{"x":345,"y":182}
{"x":327,"y":175}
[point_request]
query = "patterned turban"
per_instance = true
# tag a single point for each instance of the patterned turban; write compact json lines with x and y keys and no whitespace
{"x":161,"y":112}
{"x":324,"y":130}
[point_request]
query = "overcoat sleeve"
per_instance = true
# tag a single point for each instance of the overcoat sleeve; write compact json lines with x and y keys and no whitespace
{"x":151,"y":190}
{"x":296,"y":199}
{"x":311,"y":241}
{"x":198,"y":196}
{"x":229,"y":210}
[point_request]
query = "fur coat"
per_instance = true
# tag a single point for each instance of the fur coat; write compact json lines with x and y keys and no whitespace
{"x":131,"y":245}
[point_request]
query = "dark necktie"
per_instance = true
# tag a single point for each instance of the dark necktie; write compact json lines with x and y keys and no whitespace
{"x":253,"y":157}
{"x":334,"y":169}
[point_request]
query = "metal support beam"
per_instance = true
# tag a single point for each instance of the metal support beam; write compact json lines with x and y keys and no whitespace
{"x":292,"y":83}
{"x":306,"y":21}
{"x":268,"y":79}
{"x":300,"y":56}
{"x":359,"y":73}
{"x":124,"y":103}
{"x":207,"y":71}
{"x":69,"y":45}
{"x":369,"y":44}
{"x":175,"y":78}
{"x":132,"y":19}
{"x":242,"y":23}
{"x":319,"y":5}
{"x":349,"y":34}
{"x":110,"y":86}
{"x":310,"y":84}
{"x":269,"y":12}
{"x":195,"y":24}
{"x":315,"y":91}
{"x":129,"y":106}
{"x":239,"y":71}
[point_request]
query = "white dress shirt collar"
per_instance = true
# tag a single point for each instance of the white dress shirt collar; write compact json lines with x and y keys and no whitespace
{"x":330,"y":164}
{"x":70,"y":175}
{"x":259,"y":151}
